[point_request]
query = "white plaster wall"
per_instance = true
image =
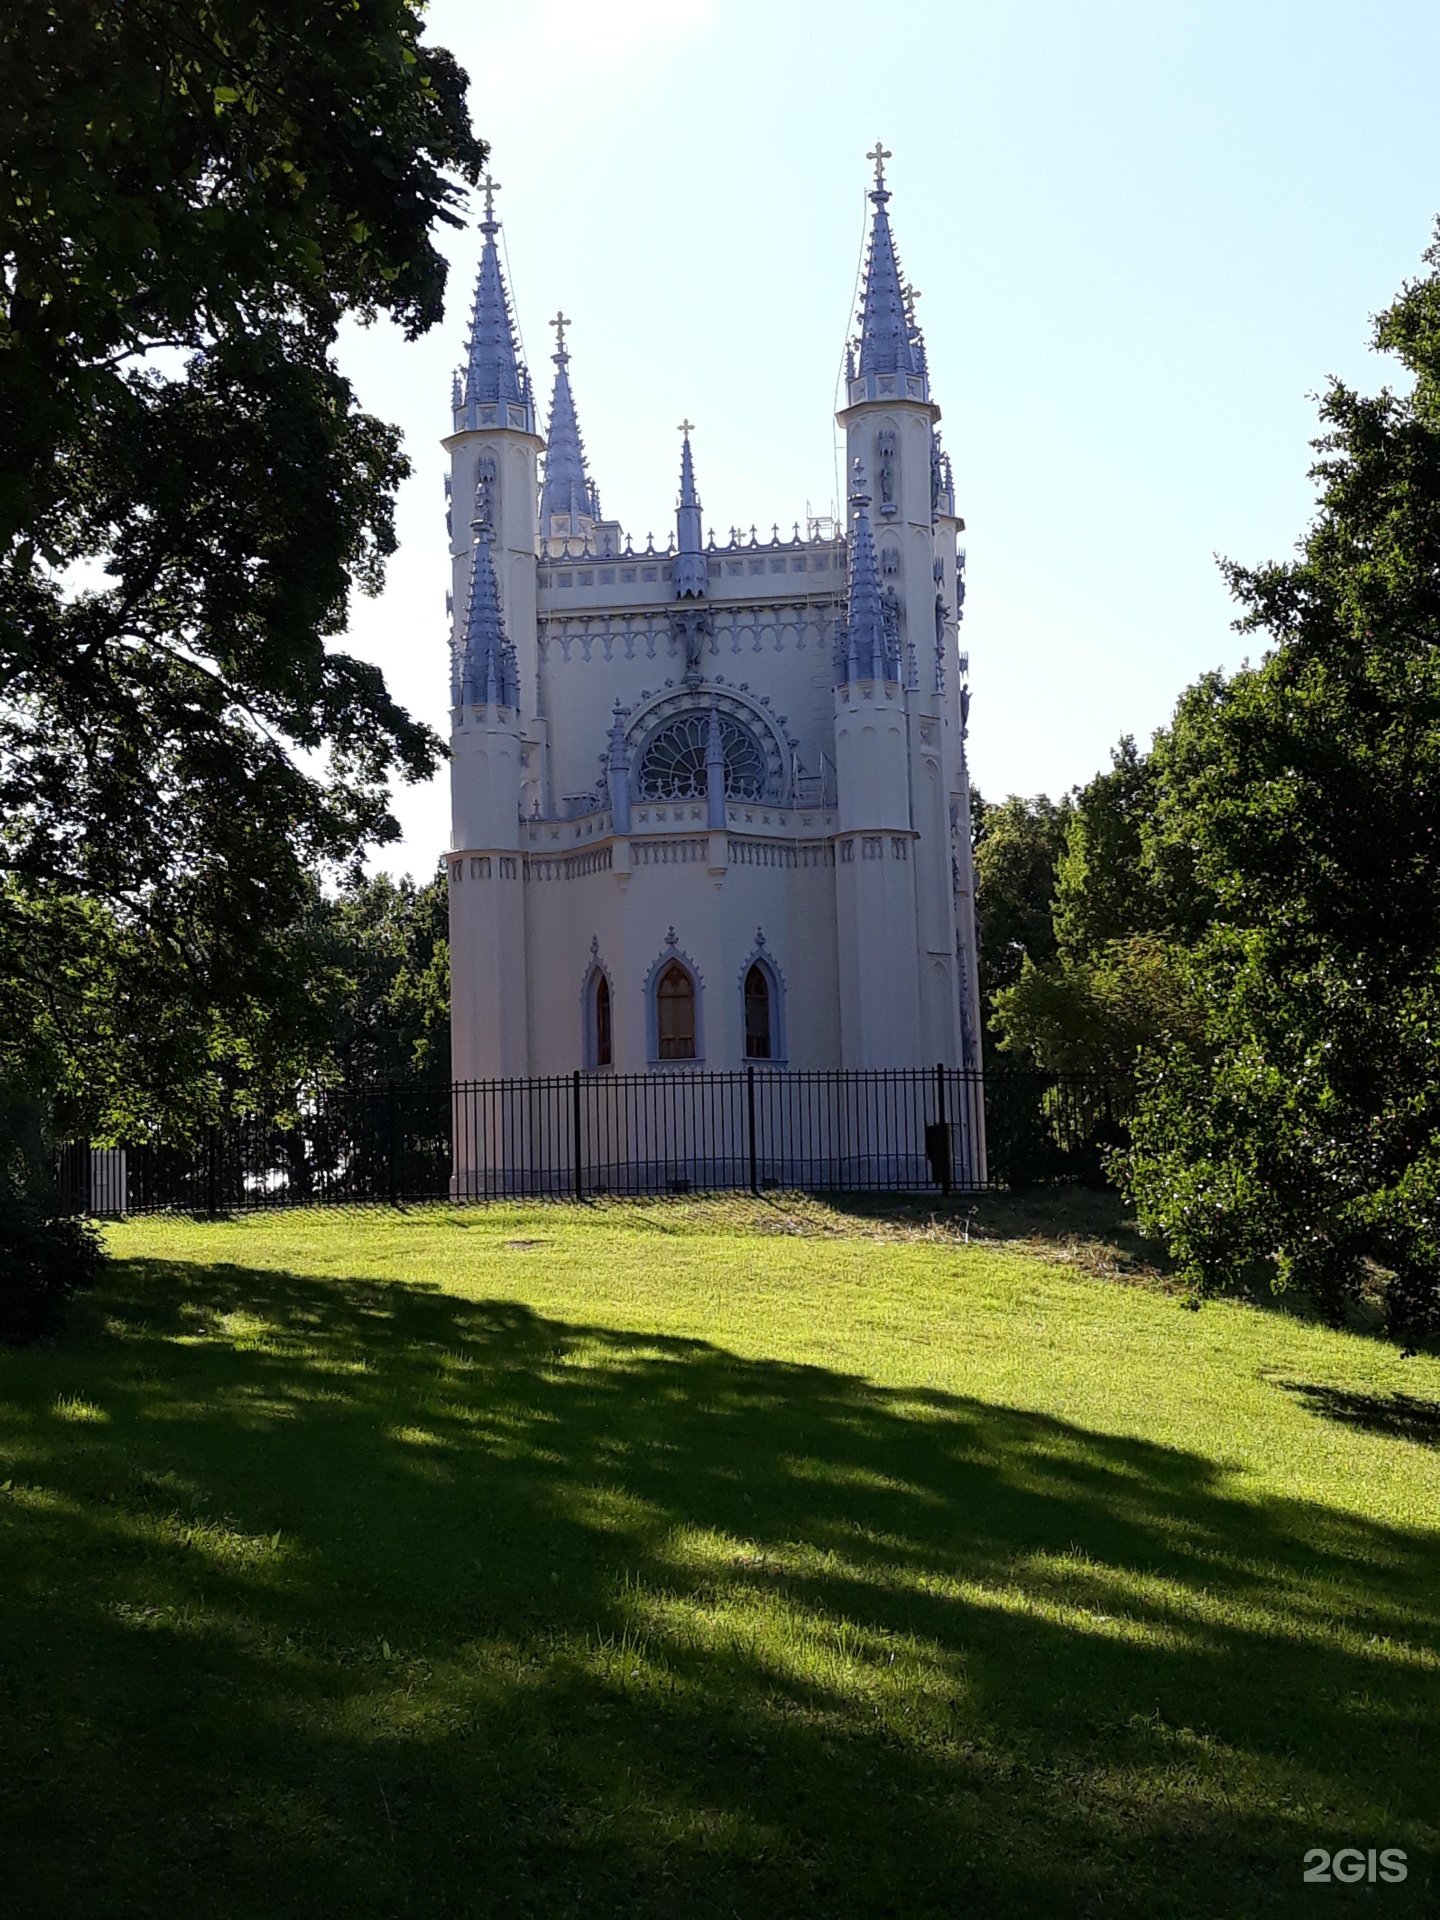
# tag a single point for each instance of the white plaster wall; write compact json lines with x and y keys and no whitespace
{"x":484,"y":784}
{"x":872,"y":758}
{"x":715,"y":919}
{"x":876,"y":939}
{"x":488,"y":986}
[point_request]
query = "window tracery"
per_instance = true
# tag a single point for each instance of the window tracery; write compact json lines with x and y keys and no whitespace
{"x":674,"y":764}
{"x":675,"y":1014}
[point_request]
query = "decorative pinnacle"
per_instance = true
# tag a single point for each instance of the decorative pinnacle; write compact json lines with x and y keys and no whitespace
{"x":492,"y":187}
{"x":879,"y":154}
{"x":889,"y":339}
{"x":689,"y":574}
{"x":560,"y":323}
{"x":687,"y":427}
{"x":859,"y":491}
{"x":485,"y":669}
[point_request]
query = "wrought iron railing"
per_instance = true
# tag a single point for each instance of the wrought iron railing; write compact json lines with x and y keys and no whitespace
{"x":936,"y":1130}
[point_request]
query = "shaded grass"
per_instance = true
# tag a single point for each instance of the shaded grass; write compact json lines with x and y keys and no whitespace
{"x":710,"y":1558}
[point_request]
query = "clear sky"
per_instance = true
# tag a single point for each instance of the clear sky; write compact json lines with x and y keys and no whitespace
{"x":1145,"y":233}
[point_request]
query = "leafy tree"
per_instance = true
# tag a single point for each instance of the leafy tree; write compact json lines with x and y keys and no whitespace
{"x":193,"y":195}
{"x":1017,"y":846}
{"x":1302,"y":1132}
{"x":1116,"y":978}
{"x":1099,"y":1015}
{"x":387,"y":1016}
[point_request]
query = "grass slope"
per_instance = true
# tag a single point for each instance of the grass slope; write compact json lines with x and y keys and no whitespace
{"x":702,"y":1558}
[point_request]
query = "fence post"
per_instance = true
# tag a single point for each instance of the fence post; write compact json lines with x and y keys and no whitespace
{"x":750,"y":1115}
{"x":212,"y":1169}
{"x":575,"y":1125}
{"x":940,"y":1115}
{"x":391,"y":1142}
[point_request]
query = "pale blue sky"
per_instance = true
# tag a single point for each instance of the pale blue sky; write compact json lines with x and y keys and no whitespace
{"x":1143,"y":232}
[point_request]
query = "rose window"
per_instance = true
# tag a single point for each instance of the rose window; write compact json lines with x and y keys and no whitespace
{"x":674,"y":763}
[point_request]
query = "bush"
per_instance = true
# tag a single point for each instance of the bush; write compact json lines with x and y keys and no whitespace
{"x":47,"y":1249}
{"x":45,"y":1255}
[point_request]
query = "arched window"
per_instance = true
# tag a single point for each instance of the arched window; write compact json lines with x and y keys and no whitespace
{"x":757,"y":1015}
{"x":674,"y":764}
{"x":675,"y":1014}
{"x":604,"y":1045}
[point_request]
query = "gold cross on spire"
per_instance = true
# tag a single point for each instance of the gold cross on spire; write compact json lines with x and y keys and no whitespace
{"x":492,"y":187}
{"x":560,"y":322}
{"x":687,"y":427}
{"x":879,"y":154}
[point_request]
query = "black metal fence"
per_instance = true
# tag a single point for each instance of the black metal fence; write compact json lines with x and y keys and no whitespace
{"x":936,"y":1130}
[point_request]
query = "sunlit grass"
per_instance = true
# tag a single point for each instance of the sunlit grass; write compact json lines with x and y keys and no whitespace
{"x":704,"y":1557}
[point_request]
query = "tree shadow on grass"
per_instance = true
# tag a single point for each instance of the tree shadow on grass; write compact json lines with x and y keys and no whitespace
{"x":1401,"y":1416}
{"x":347,"y":1598}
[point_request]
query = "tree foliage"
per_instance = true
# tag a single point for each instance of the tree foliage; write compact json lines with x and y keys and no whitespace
{"x":1249,"y":914}
{"x":192,"y":197}
{"x":1114,"y":979}
{"x":387,"y":953}
{"x":1018,"y":843}
{"x":1301,"y":1132}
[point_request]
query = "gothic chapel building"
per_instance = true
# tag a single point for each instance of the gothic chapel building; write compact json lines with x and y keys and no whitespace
{"x":710,"y":803}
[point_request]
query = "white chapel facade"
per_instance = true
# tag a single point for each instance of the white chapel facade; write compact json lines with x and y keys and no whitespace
{"x":710,"y":806}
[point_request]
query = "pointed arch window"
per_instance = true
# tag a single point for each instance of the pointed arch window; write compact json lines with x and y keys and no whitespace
{"x":758,"y":1033}
{"x":675,"y":1014}
{"x":604,"y":1040}
{"x":597,"y":1019}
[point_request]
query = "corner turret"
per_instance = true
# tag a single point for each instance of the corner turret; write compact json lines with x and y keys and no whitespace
{"x":494,"y":483}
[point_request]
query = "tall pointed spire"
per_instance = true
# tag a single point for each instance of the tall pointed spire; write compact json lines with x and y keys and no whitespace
{"x":495,"y":375}
{"x":568,"y":494}
{"x":486,"y":674}
{"x":890,"y":343}
{"x":868,"y":648}
{"x":688,"y":573}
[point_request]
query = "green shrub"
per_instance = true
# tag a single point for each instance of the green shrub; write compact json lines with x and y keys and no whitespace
{"x":47,"y":1248}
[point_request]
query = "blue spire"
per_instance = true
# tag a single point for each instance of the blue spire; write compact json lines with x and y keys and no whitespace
{"x":867,"y":648}
{"x":495,"y":375}
{"x":486,"y":673}
{"x":568,"y":491}
{"x":890,"y":340}
{"x":688,"y":573}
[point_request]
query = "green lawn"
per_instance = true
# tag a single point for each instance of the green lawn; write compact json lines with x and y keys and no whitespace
{"x":732,"y":1558}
